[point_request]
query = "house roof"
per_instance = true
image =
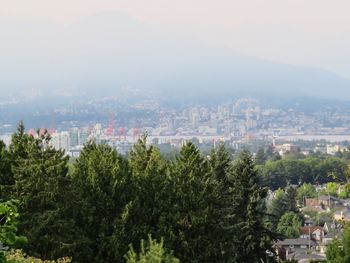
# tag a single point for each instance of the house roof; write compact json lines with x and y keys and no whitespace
{"x":295,"y":241}
{"x":305,"y":229}
{"x":327,"y":197}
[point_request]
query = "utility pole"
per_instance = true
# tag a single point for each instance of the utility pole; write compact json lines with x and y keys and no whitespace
{"x":309,"y":238}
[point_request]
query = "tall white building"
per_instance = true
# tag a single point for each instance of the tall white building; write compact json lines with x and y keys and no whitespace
{"x":65,"y":141}
{"x":60,"y":141}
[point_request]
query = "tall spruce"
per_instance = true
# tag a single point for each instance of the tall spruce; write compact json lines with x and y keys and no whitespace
{"x":195,"y":217}
{"x":41,"y":186}
{"x":101,"y":183}
{"x":6,"y":175}
{"x":250,"y":235}
{"x":148,"y":210}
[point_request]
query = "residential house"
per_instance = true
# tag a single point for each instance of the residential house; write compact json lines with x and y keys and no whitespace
{"x":292,"y":246}
{"x":316,"y":233}
{"x":322,"y":203}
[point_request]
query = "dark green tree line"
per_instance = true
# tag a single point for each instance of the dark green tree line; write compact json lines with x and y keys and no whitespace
{"x":204,"y":209}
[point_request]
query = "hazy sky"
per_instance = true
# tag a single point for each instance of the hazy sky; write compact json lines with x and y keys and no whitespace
{"x":302,"y":32}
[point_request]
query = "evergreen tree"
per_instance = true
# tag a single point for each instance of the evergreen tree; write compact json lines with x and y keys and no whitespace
{"x":42,"y":186}
{"x":194,"y":230}
{"x":102,"y":189}
{"x":220,"y":162}
{"x":291,"y":199}
{"x":250,"y":235}
{"x":6,"y":175}
{"x":149,"y":207}
{"x":260,"y":157}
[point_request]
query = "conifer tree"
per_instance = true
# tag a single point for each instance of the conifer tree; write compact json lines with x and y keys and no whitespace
{"x":42,"y":187}
{"x":149,"y":206}
{"x":6,"y":176}
{"x":250,"y":235}
{"x":101,"y":182}
{"x":195,"y":217}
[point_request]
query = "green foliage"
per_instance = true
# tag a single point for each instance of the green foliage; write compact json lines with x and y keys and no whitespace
{"x":345,"y":191}
{"x":280,"y":173}
{"x":151,"y":252}
{"x":18,"y":256}
{"x":332,"y":188}
{"x":8,"y":224}
{"x":260,"y":157}
{"x":305,"y":191}
{"x":95,"y":208}
{"x":289,"y":225}
{"x":40,"y":174}
{"x":335,"y":252}
{"x":339,"y":250}
{"x":283,"y":202}
{"x":194,"y":214}
{"x":101,"y":186}
{"x":6,"y":176}
{"x":251,"y":236}
{"x":8,"y":228}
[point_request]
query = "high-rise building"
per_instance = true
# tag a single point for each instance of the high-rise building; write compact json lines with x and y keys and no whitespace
{"x":60,"y":141}
{"x":55,"y":140}
{"x":74,"y":136}
{"x":65,"y":141}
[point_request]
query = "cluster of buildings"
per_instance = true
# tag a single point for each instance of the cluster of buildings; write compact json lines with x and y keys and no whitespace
{"x":315,"y":237}
{"x":240,"y":122}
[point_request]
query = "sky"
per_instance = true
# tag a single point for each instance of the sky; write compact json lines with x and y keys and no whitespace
{"x":300,"y":32}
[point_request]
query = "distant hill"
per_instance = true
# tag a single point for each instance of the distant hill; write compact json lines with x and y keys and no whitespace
{"x":99,"y":55}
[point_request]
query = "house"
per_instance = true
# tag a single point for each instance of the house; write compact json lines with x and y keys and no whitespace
{"x":325,"y":202}
{"x":294,"y":248}
{"x":343,"y":215}
{"x":316,"y":233}
{"x":332,"y":230}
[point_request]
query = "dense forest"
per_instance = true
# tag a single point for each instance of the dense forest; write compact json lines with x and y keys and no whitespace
{"x":105,"y":207}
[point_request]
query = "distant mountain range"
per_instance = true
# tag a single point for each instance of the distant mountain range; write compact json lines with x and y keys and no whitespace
{"x":101,"y":55}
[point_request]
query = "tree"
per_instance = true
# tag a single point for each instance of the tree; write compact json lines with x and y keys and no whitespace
{"x":335,"y":252}
{"x":278,"y":207}
{"x":6,"y":175}
{"x":291,"y":199}
{"x":289,"y":225}
{"x":305,"y":191}
{"x":194,"y":232}
{"x":40,"y":174}
{"x":252,"y":238}
{"x":101,"y":183}
{"x":219,"y":162}
{"x":8,"y":227}
{"x":260,"y":157}
{"x":332,"y":188}
{"x":149,"y":210}
{"x":273,"y":174}
{"x":151,"y":252}
{"x":339,"y":250}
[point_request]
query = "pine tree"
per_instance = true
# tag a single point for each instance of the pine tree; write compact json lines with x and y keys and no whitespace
{"x":101,"y":184}
{"x":146,"y":212}
{"x":250,"y":235}
{"x":42,"y":186}
{"x":6,"y":175}
{"x":220,"y":162}
{"x":195,"y":217}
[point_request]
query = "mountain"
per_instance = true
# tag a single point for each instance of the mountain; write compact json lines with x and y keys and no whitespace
{"x":101,"y":55}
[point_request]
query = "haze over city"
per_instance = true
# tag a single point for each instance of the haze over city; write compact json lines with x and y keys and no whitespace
{"x":95,"y":48}
{"x":168,"y":131}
